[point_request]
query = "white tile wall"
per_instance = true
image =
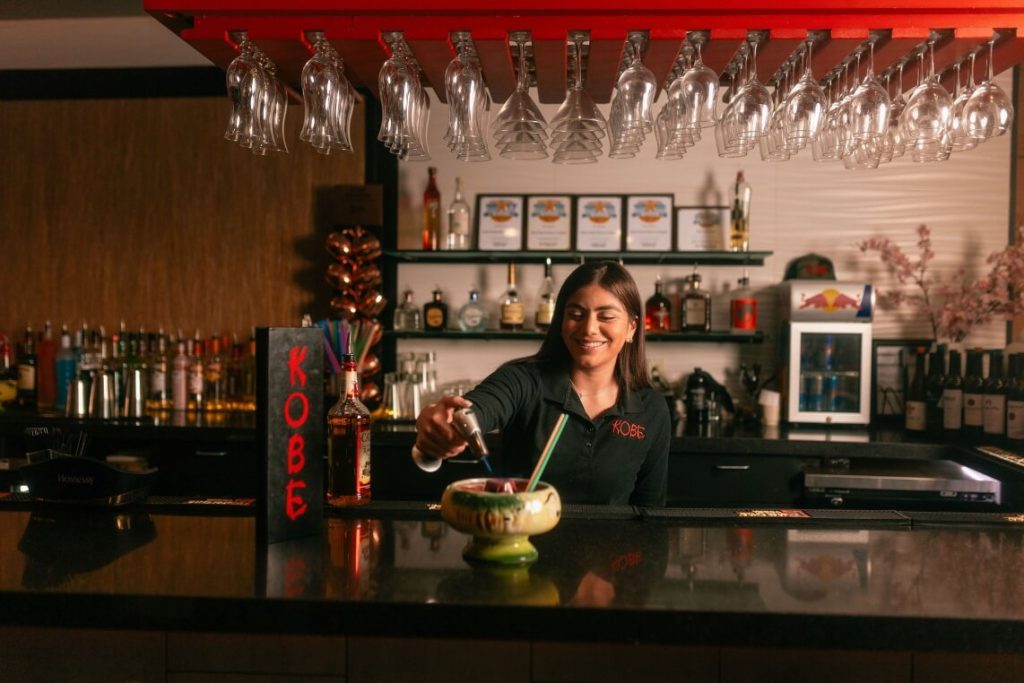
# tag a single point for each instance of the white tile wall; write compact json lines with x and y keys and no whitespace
{"x":798,"y":206}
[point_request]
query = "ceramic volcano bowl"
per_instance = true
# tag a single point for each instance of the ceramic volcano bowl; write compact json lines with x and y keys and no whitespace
{"x":500,"y":515}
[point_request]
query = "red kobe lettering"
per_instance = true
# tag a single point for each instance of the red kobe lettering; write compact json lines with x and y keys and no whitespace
{"x":296,"y":375}
{"x":296,"y":422}
{"x":296,"y":458}
{"x":294,"y":506}
{"x":628,"y":429}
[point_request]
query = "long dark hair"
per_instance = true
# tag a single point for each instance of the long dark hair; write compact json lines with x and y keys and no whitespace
{"x":631,"y":365}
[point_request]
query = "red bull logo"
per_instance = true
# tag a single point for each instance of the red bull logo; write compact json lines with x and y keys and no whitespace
{"x":829,"y":301}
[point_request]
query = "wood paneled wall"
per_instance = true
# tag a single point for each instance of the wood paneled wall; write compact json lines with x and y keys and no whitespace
{"x":139,"y":210}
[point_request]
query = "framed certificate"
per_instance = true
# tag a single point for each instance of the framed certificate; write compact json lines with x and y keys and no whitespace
{"x":701,"y":228}
{"x":549,"y":223}
{"x":499,"y":222}
{"x":599,"y":223}
{"x":649,"y":222}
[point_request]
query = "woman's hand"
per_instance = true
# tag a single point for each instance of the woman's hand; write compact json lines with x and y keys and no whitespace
{"x":435,"y":436}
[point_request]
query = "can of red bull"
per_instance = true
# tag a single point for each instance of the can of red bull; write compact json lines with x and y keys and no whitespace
{"x":832,"y":399}
{"x":812,"y":398}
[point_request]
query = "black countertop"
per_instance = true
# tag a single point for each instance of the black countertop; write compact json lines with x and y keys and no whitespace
{"x":877,"y":580}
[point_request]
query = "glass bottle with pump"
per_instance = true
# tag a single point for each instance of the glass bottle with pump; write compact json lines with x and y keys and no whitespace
{"x":348,"y":442}
{"x":973,"y":390}
{"x":917,"y":397}
{"x":739,"y":215}
{"x":432,"y":214}
{"x":512,"y":314}
{"x":473,"y":317}
{"x":545,"y":299}
{"x":657,"y":311}
{"x":696,"y":305}
{"x":743,"y":308}
{"x":935,"y":383}
{"x":953,"y":396}
{"x":435,"y":313}
{"x":1015,"y":399}
{"x":458,"y":220}
{"x":994,"y":397}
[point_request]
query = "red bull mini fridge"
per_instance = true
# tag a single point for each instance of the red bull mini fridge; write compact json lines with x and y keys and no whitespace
{"x":826,"y":377}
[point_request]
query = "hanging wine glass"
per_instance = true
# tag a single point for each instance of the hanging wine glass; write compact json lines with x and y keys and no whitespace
{"x":989,"y":111}
{"x":925,"y":120}
{"x":805,"y":107}
{"x":961,"y":140}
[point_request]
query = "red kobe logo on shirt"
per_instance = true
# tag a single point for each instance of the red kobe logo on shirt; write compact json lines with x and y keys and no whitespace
{"x":629,"y":429}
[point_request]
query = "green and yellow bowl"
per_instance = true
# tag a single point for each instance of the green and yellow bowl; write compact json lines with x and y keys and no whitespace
{"x":500,"y":522}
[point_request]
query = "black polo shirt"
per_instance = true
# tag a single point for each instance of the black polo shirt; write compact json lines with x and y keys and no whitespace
{"x":621,"y":458}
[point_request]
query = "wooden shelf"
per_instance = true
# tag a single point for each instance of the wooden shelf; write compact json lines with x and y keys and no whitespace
{"x":534,"y":335}
{"x":683,"y":258}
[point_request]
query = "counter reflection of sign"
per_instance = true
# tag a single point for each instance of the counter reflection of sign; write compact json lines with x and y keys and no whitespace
{"x":549,"y":223}
{"x":499,"y":222}
{"x":649,"y":223}
{"x":289,"y":432}
{"x":598,"y":223}
{"x":700,"y":228}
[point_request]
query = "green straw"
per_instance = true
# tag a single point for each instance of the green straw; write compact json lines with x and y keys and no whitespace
{"x":556,"y":432}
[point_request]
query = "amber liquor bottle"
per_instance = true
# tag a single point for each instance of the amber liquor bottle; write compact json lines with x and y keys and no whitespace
{"x":512,"y":313}
{"x":432,"y":214}
{"x":657,"y":311}
{"x":696,"y":308}
{"x":348,"y":443}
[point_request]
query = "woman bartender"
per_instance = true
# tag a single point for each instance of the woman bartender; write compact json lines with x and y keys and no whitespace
{"x":591,"y":366}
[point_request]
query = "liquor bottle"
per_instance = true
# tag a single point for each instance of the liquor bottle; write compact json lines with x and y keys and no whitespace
{"x":407,"y":314}
{"x":348,"y":442}
{"x":935,"y":383}
{"x":65,"y":367}
{"x":195,"y":376}
{"x":214,"y":392}
{"x":994,"y":397}
{"x":739,"y":215}
{"x":657,"y":311}
{"x":27,"y":372}
{"x":743,"y":308}
{"x":545,"y":299}
{"x":953,"y":397}
{"x":46,"y":357}
{"x":696,"y":307}
{"x":159,"y":397}
{"x":917,"y":396}
{"x":1015,"y":399}
{"x":472,"y":316}
{"x":458,"y":220}
{"x":511,"y":307}
{"x":697,"y":413}
{"x":432,"y":214}
{"x":973,"y":385}
{"x":435,"y":313}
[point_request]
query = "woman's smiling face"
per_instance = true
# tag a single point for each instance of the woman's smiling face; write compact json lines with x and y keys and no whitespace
{"x":595,"y":327}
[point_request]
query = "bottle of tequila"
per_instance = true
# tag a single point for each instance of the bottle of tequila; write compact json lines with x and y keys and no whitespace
{"x":545,"y":299}
{"x":473,"y":316}
{"x":511,"y":307}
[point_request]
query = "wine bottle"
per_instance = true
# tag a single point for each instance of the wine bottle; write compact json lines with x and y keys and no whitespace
{"x":917,"y":396}
{"x":973,"y":386}
{"x":458,"y":220}
{"x":348,"y":442}
{"x":27,"y":372}
{"x":511,"y":307}
{"x":953,"y":397}
{"x":994,"y":397}
{"x":696,"y":306}
{"x":432,"y":213}
{"x":435,"y":313}
{"x":739,"y":215}
{"x":657,"y":311}
{"x":935,"y":383}
{"x":1015,"y":399}
{"x":473,"y":317}
{"x":545,"y":299}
